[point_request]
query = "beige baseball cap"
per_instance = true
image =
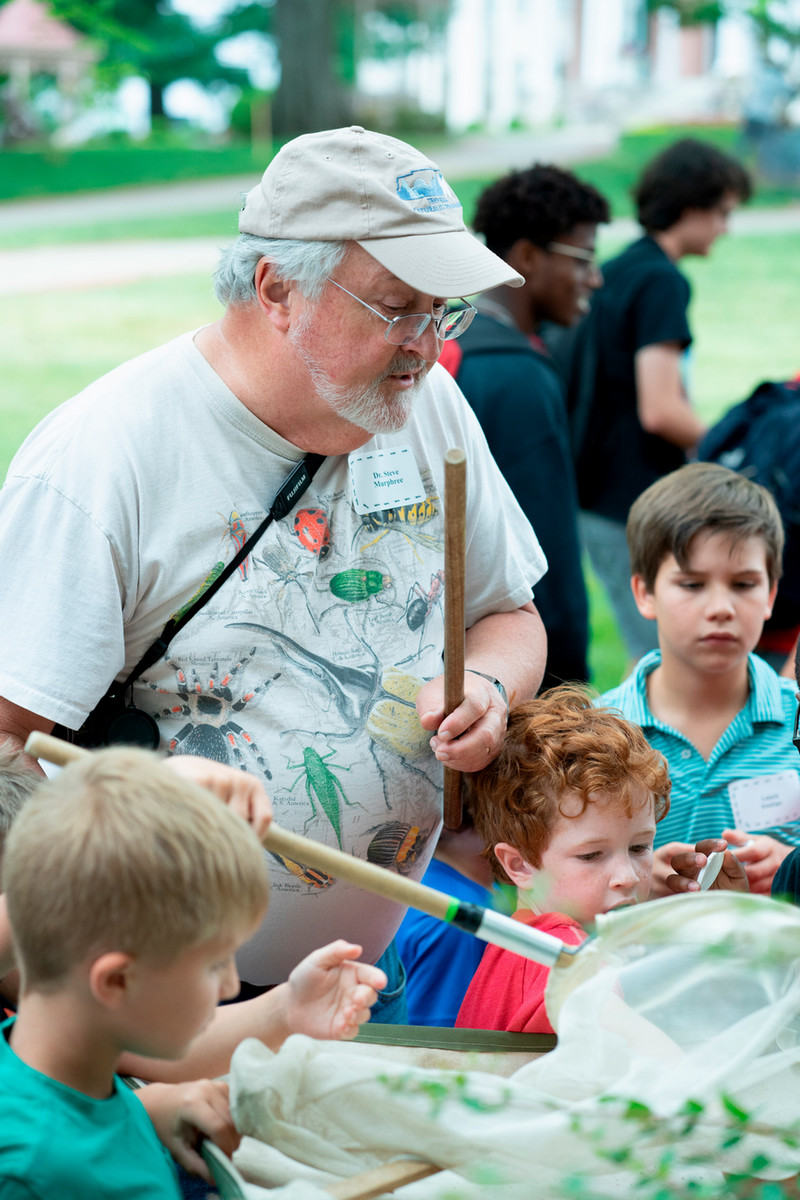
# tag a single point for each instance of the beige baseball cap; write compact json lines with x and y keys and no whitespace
{"x":354,"y":185}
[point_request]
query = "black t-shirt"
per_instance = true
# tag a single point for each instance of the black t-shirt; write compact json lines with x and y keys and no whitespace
{"x":517,"y":395}
{"x":642,"y":302}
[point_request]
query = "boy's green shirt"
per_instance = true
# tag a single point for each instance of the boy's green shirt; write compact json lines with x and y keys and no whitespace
{"x":59,"y":1144}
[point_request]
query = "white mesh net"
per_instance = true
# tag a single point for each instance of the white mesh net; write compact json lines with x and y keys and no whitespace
{"x":678,"y":1058}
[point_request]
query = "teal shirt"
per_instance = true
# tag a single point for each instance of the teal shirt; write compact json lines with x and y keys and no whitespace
{"x":758,"y":741}
{"x":58,"y":1144}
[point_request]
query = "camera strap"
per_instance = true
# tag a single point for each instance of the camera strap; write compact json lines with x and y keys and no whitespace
{"x":283,"y":501}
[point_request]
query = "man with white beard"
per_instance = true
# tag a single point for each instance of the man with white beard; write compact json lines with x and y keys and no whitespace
{"x":317,"y":662}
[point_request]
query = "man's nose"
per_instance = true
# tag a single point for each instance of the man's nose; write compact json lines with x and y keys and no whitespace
{"x":428,"y":345}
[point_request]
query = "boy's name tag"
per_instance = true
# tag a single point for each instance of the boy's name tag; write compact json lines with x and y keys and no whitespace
{"x":383,"y":479}
{"x":765,"y":800}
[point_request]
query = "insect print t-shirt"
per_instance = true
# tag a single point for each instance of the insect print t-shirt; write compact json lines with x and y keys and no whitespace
{"x":305,"y":666}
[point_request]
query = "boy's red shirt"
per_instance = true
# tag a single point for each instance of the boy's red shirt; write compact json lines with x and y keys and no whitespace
{"x":507,"y":990}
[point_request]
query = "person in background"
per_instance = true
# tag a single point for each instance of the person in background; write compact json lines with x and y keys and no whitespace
{"x":640,"y":424}
{"x":543,"y":222}
{"x":706,"y":547}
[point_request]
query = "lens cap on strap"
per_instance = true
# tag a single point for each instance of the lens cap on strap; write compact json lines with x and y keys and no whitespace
{"x":133,"y":727}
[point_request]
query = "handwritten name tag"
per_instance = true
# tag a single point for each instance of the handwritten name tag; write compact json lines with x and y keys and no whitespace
{"x":765,"y":800}
{"x":383,"y":479}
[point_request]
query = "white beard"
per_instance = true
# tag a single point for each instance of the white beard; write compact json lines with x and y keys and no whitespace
{"x":367,"y":407}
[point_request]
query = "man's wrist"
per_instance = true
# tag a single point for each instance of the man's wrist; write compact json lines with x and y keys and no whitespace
{"x":493,"y":680}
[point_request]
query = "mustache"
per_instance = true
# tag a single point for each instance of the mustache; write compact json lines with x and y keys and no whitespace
{"x":402,"y":363}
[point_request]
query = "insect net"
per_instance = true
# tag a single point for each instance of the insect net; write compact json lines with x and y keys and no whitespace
{"x":678,"y":1057}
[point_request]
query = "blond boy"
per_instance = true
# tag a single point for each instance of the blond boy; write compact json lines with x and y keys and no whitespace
{"x":706,"y":546}
{"x":129,"y":889}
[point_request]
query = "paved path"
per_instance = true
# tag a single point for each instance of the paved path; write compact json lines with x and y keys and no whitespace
{"x":98,"y":264}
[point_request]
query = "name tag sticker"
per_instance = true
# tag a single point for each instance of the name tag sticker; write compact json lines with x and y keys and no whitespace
{"x":383,"y":479}
{"x":765,"y":800}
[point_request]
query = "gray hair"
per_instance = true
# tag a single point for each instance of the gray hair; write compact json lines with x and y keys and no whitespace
{"x":18,"y":780}
{"x":304,"y":263}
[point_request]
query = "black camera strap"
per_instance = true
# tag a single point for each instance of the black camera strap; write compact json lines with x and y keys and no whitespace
{"x":111,"y":720}
{"x":283,"y":501}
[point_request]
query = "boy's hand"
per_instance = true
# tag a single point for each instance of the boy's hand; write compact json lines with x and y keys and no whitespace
{"x":242,"y":792}
{"x":663,"y":868}
{"x":689,"y":863}
{"x":330,"y":994}
{"x":472,"y":735}
{"x":183,"y":1112}
{"x":760,"y":854}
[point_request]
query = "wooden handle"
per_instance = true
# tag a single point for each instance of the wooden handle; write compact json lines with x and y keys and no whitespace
{"x":455,"y":541}
{"x":380,"y":1180}
{"x":300,"y":849}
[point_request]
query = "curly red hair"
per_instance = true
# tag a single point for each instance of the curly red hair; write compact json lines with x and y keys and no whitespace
{"x":559,"y":743}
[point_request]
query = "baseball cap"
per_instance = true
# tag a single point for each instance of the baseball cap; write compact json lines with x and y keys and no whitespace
{"x":354,"y":185}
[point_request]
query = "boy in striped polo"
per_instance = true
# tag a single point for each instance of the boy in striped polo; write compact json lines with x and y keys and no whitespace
{"x":706,"y":546}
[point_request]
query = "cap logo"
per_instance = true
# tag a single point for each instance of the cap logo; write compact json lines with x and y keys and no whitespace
{"x":426,"y":190}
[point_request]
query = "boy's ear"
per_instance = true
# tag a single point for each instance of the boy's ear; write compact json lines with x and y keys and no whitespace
{"x":773,"y":591}
{"x":516,"y":867}
{"x":110,"y":978}
{"x":645,"y":600}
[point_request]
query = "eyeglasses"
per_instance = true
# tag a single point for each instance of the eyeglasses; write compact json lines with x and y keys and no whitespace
{"x":586,"y":257}
{"x":796,"y":730}
{"x":401,"y":330}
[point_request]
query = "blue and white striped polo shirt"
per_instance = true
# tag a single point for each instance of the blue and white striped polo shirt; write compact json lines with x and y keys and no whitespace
{"x":757,"y":742}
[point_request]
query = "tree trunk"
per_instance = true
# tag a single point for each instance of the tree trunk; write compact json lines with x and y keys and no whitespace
{"x":309,"y":97}
{"x":156,"y":101}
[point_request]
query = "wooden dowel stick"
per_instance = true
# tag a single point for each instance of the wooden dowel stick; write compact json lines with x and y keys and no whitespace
{"x":300,"y":849}
{"x":370,"y":1184}
{"x":491,"y":927}
{"x":455,"y":522}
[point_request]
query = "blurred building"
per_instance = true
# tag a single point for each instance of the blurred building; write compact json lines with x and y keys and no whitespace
{"x":38,"y":53}
{"x":529,"y":63}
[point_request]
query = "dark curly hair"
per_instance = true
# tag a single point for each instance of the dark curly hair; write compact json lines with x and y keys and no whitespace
{"x":542,"y":204}
{"x":559,"y":743}
{"x":688,"y":174}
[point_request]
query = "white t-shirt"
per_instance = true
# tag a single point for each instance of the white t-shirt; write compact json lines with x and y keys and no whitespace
{"x":304,"y":667}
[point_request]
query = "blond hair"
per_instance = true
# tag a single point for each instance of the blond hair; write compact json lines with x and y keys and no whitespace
{"x":561,"y":743}
{"x":120,"y":853}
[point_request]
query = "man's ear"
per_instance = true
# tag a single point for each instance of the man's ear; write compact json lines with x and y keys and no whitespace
{"x":516,"y":867}
{"x":645,"y":600}
{"x":272,"y":294}
{"x":110,"y":978}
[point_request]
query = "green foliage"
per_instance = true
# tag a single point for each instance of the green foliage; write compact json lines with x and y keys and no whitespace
{"x":439,"y":1090}
{"x":149,"y":38}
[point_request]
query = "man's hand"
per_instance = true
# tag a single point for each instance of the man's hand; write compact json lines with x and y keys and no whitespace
{"x":243,"y":793}
{"x":330,"y":994}
{"x":471,"y":736}
{"x":183,"y":1112}
{"x":689,"y":863}
{"x":760,"y":854}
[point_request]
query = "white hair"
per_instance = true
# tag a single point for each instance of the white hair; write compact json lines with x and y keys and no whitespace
{"x":307,"y":264}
